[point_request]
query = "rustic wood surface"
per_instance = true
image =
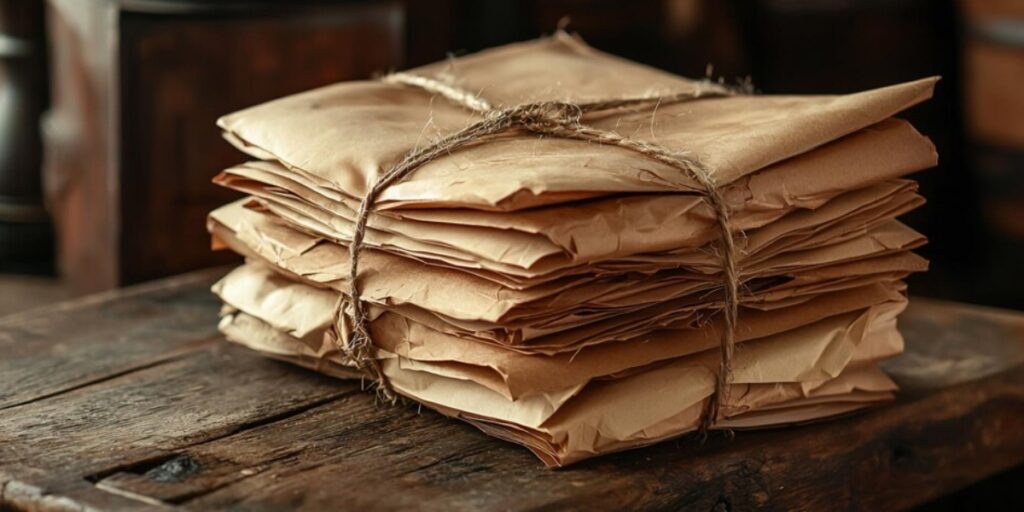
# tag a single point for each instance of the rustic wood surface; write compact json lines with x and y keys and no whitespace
{"x":131,"y":400}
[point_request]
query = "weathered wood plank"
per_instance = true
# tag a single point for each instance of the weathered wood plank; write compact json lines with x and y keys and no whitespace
{"x":353,"y":439}
{"x":143,"y":416}
{"x":891,"y":458}
{"x":205,"y":425}
{"x":46,"y":352}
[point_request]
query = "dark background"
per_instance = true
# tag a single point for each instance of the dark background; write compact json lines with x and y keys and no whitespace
{"x":975,"y":214}
{"x":126,"y":105}
{"x":108,"y":143}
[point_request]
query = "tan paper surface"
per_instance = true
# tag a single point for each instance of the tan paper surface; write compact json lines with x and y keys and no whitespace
{"x":303,"y":311}
{"x":316,"y":132}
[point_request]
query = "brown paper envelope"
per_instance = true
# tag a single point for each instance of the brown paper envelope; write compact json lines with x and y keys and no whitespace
{"x":448,"y":289}
{"x":598,"y":229}
{"x":613,"y":327}
{"x":344,"y":135}
{"x":579,"y":431}
{"x":817,"y":351}
{"x":880,"y":203}
{"x":292,"y":305}
{"x":299,"y":309}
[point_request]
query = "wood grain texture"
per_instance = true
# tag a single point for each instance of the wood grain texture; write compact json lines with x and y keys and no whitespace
{"x":131,"y":401}
{"x":95,"y":338}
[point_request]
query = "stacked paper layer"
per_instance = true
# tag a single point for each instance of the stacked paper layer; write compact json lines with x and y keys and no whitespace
{"x":567,"y":295}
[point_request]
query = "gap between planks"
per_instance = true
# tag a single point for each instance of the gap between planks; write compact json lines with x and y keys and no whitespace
{"x":97,"y":479}
{"x":187,"y":350}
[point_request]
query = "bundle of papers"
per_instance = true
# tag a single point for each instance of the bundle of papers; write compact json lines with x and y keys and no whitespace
{"x":567,"y":295}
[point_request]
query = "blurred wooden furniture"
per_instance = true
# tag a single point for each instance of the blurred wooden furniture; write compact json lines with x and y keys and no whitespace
{"x":25,"y":237}
{"x":131,"y":143}
{"x":993,"y":63}
{"x":132,"y":399}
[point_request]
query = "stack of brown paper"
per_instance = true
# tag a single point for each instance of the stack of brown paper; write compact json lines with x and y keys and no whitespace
{"x":567,"y":295}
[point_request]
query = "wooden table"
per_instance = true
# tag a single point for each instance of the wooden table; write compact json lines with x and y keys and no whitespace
{"x":131,"y":399}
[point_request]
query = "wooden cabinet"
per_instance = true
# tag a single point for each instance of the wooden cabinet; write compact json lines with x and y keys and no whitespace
{"x":25,"y":244}
{"x":131,"y":143}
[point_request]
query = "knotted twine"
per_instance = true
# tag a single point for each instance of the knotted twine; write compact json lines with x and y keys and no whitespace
{"x":551,"y":118}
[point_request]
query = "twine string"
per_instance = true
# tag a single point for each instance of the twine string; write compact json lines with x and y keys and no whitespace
{"x":556,"y":119}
